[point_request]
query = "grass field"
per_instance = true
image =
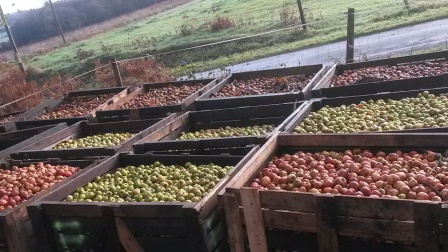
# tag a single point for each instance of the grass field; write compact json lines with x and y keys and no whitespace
{"x":189,"y":25}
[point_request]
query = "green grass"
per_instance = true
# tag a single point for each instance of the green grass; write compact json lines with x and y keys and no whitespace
{"x":161,"y":32}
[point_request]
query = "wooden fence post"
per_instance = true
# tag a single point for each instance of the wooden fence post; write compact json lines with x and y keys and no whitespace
{"x":114,"y":65}
{"x":302,"y":15}
{"x":406,"y":2}
{"x":350,"y":36}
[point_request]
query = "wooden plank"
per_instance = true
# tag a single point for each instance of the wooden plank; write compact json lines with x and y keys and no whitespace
{"x":254,"y":219}
{"x":382,"y":87}
{"x":159,"y":134}
{"x":388,"y":209}
{"x":444,"y":219}
{"x":127,"y":239}
{"x":216,"y":236}
{"x":290,"y":241}
{"x":393,"y":95}
{"x":277,"y":121}
{"x":395,"y":61}
{"x":288,"y":201}
{"x":324,"y":82}
{"x":142,"y":226}
{"x":234,"y":223}
{"x":326,"y":223}
{"x":293,"y":221}
{"x":79,"y":209}
{"x":274,"y":110}
{"x":426,"y":226}
{"x":261,"y":158}
{"x":376,"y":229}
{"x":164,"y":244}
{"x":365,"y":140}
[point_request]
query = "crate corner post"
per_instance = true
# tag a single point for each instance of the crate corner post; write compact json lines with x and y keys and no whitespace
{"x":253,"y":216}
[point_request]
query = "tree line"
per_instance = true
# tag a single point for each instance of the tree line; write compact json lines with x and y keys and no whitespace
{"x":40,"y":24}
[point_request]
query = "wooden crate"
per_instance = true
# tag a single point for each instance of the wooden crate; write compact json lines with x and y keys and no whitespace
{"x":16,"y":231}
{"x":142,"y":226}
{"x":11,"y":126}
{"x":316,"y":104}
{"x":341,"y":223}
{"x":11,"y":142}
{"x":43,"y":148}
{"x":277,"y":114}
{"x":206,"y":103}
{"x":30,"y":120}
{"x":323,"y":88}
{"x":114,"y":113}
{"x":221,"y":146}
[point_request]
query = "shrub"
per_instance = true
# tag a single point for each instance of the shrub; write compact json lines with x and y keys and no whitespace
{"x":220,"y":23}
{"x":13,"y":86}
{"x":134,"y":73}
{"x":288,"y":15}
{"x":83,"y":54}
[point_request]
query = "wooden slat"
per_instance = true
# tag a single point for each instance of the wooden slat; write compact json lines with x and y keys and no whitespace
{"x":388,"y":209}
{"x":38,"y":223}
{"x":444,"y":218}
{"x":127,"y":239}
{"x":216,"y":236}
{"x":385,"y":230}
{"x":426,"y":226}
{"x":288,"y":201}
{"x":142,"y":226}
{"x":326,"y":223}
{"x":164,"y":244}
{"x":169,"y":210}
{"x":365,"y":140}
{"x":254,"y":219}
{"x":261,"y":158}
{"x":78,"y":210}
{"x":384,"y":86}
{"x":159,"y":134}
{"x":324,"y":82}
{"x":262,"y":111}
{"x":234,"y":223}
{"x":293,"y":221}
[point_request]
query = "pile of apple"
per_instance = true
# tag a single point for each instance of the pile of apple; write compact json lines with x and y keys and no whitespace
{"x":170,"y":95}
{"x":384,"y":73}
{"x":396,"y":175}
{"x":424,"y":111}
{"x":19,"y":184}
{"x":266,"y":85}
{"x":7,"y":119}
{"x":77,"y":106}
{"x":153,"y":183}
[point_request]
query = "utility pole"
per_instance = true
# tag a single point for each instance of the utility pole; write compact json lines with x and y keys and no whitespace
{"x":57,"y":20}
{"x":17,"y":57}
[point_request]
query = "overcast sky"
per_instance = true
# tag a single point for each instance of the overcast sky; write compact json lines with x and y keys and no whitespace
{"x":20,"y":5}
